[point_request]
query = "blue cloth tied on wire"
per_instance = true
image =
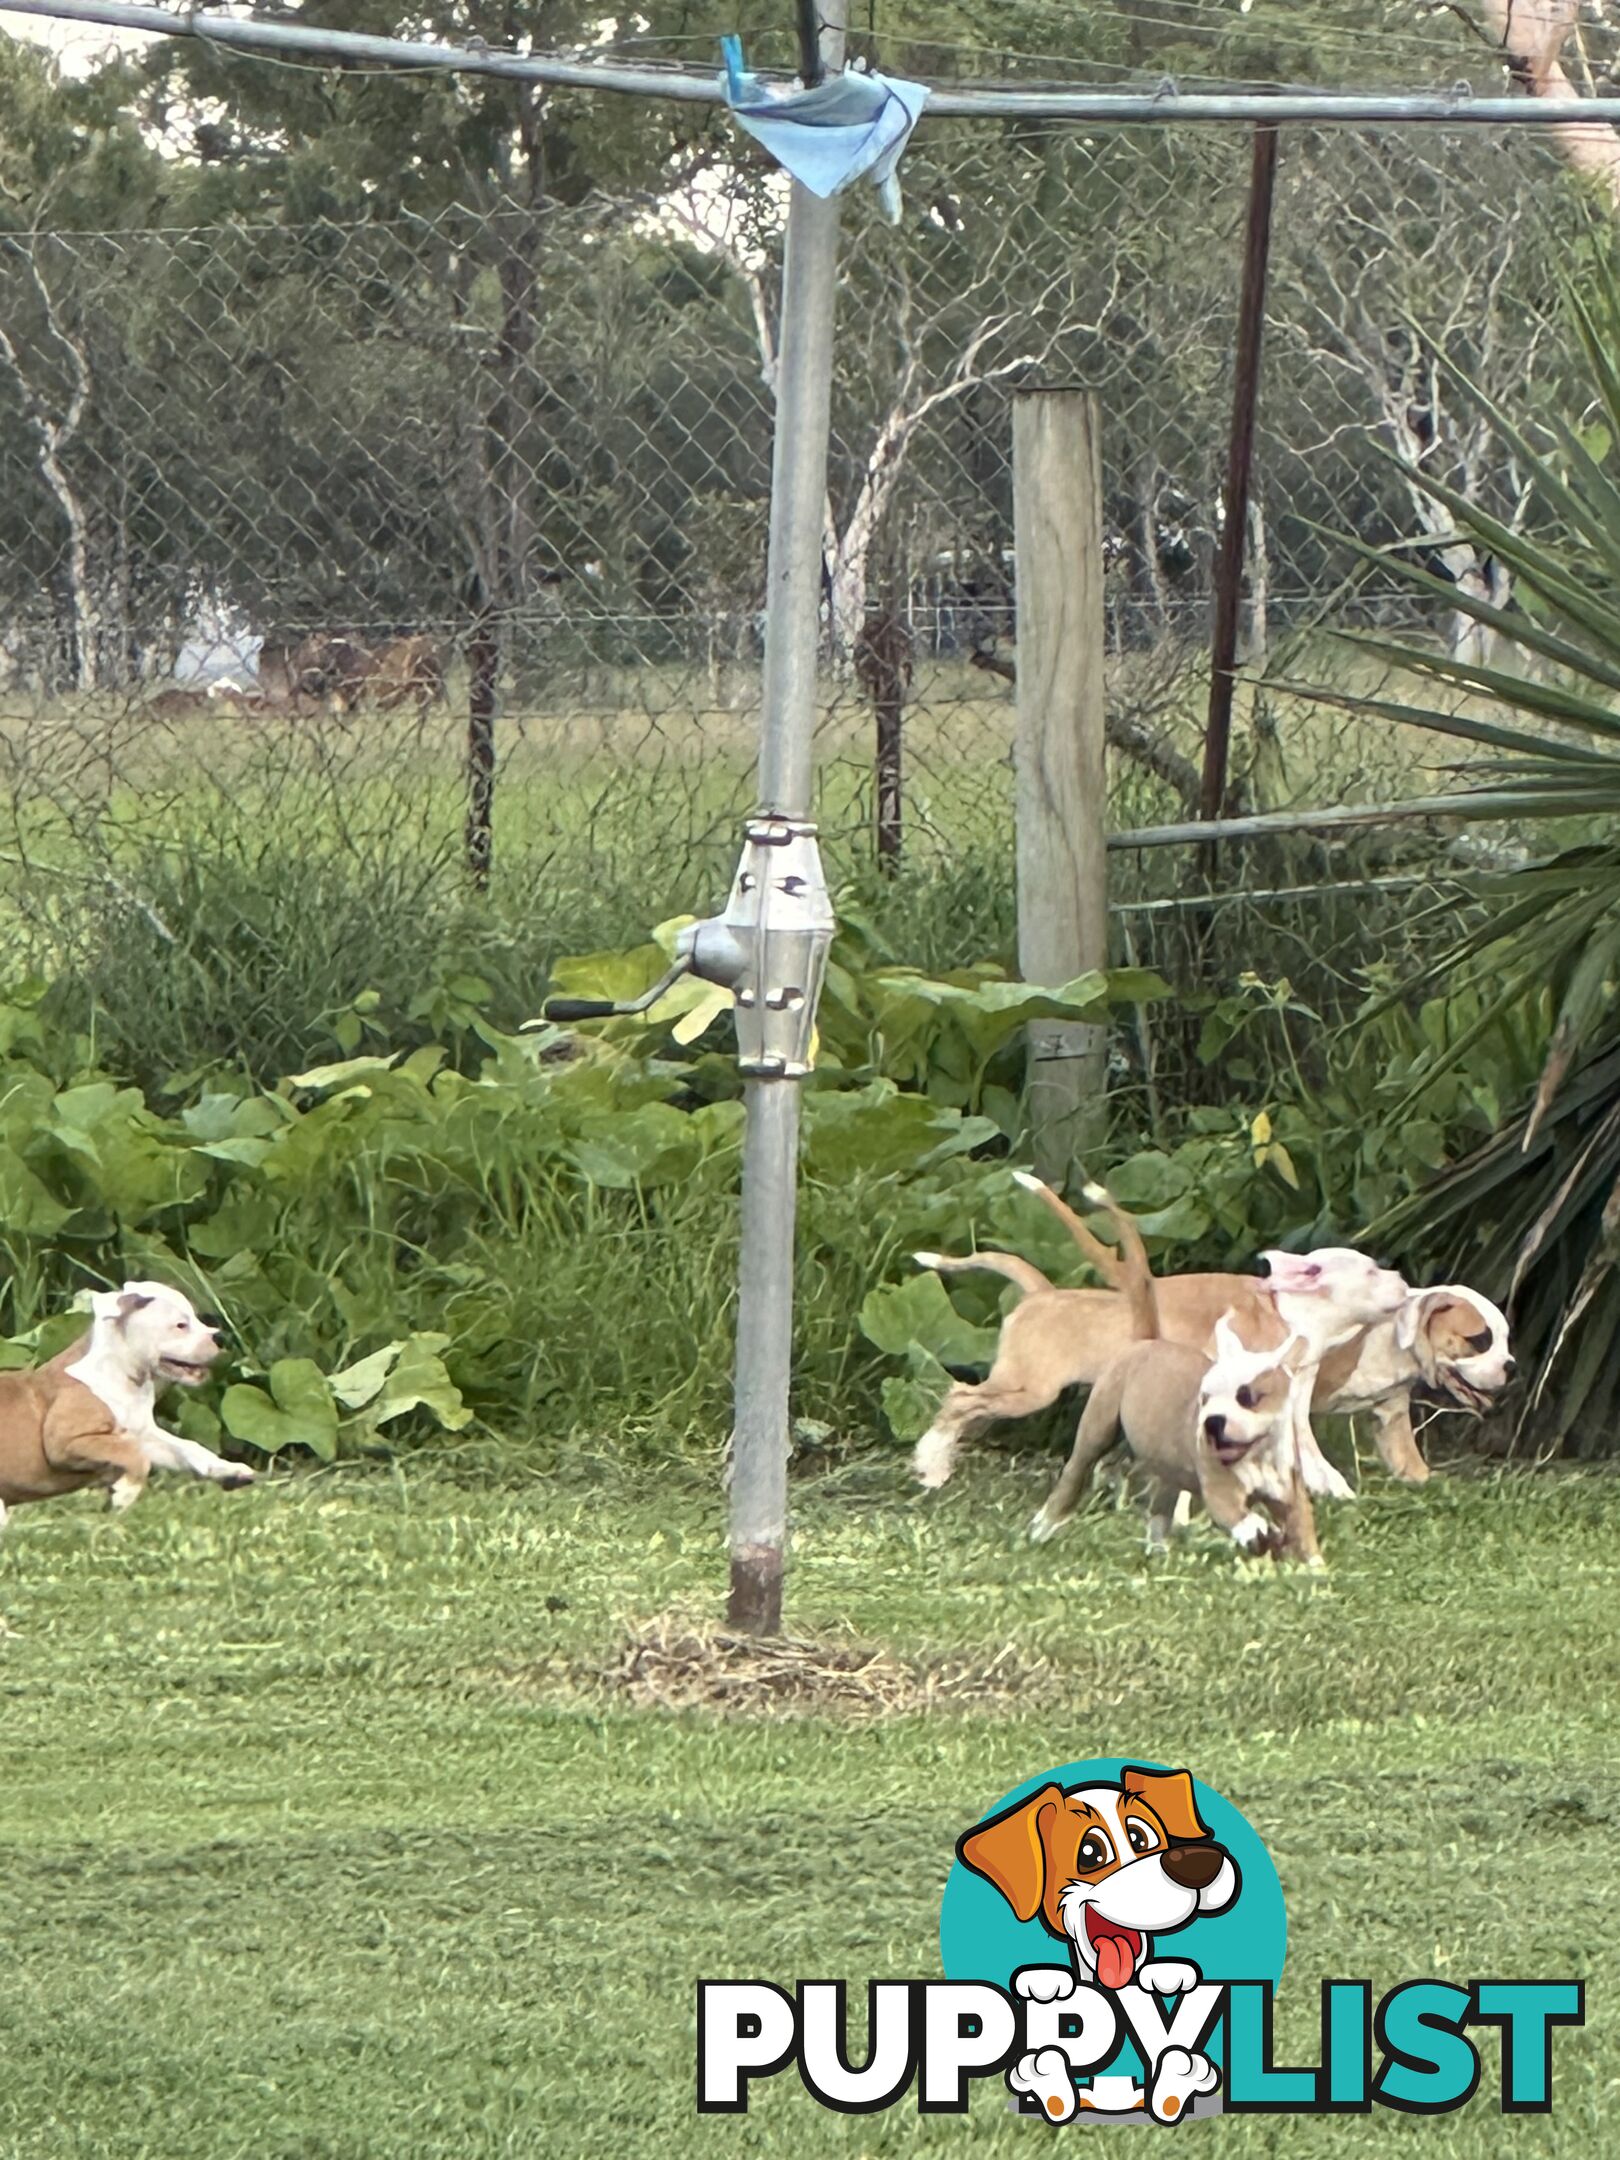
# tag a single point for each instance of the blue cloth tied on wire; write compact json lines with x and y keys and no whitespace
{"x":851,"y":126}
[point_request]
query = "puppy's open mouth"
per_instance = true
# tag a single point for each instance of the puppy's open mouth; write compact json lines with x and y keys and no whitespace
{"x":1466,"y":1394}
{"x":1118,"y":1949}
{"x":173,"y":1368}
{"x":1228,"y":1452}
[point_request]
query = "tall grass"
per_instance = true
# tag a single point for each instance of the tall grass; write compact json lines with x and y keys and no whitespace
{"x":222,"y":892}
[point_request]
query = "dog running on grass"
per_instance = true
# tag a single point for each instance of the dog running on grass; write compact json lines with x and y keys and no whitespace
{"x":1055,"y":1339}
{"x":87,"y":1417}
{"x":1219,"y":1427}
{"x":1449,"y":1341}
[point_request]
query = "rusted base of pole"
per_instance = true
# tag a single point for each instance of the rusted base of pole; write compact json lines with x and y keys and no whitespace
{"x":755,"y":1606}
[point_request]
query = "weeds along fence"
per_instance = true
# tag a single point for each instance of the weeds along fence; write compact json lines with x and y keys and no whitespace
{"x":408,"y":547}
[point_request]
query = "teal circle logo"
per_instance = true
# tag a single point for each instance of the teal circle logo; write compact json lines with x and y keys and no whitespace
{"x":1002,"y":1900}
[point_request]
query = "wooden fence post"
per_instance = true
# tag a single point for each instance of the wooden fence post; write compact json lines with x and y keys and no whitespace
{"x":1061,"y":778}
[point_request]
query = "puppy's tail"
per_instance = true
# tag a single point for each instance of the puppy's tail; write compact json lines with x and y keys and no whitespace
{"x":1006,"y":1264}
{"x":1114,"y":1265}
{"x":1125,"y":1268}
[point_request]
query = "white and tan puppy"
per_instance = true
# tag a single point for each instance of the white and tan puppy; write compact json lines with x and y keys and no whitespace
{"x":1056,"y":1339}
{"x":87,"y":1417}
{"x":144,"y":1337}
{"x":1327,"y":1297}
{"x":1449,"y":1339}
{"x":1218,"y":1429}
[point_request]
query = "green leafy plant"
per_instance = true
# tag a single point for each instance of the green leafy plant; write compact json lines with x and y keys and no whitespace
{"x":528,"y":1234}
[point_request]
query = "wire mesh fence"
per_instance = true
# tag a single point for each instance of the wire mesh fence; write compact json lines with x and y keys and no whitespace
{"x":350,"y":522}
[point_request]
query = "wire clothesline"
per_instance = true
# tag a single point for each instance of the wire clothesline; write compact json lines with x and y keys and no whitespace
{"x":1459,"y":105}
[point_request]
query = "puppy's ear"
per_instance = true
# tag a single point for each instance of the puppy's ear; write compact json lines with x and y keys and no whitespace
{"x":1169,"y":1793}
{"x":1295,"y":1350}
{"x":1413,"y":1316}
{"x":1009,"y":1852}
{"x":1228,"y":1342}
{"x":130,"y":1301}
{"x":1292,"y":1272}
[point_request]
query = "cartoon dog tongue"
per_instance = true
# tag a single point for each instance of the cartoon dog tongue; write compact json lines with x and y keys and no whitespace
{"x":1117,"y":1949}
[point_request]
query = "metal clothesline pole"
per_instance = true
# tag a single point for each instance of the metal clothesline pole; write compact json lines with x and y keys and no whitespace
{"x":770,"y":1169}
{"x":1456,"y":107}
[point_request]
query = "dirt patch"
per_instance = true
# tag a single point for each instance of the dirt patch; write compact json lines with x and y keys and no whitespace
{"x":677,"y":1663}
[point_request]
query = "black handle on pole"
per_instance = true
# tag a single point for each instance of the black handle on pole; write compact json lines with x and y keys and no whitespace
{"x":564,"y":1009}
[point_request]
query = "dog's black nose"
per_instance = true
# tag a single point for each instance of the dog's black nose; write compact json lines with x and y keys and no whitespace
{"x":1193,"y":1867}
{"x":1509,"y":1368}
{"x":1214,"y":1425}
{"x":215,"y":1323}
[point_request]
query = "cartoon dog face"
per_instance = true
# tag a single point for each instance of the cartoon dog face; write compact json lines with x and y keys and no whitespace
{"x":1244,"y":1394}
{"x":1460,"y":1341}
{"x":1105,"y":1867}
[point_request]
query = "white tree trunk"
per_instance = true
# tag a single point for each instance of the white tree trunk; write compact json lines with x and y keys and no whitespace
{"x":55,"y":433}
{"x":1259,"y":587}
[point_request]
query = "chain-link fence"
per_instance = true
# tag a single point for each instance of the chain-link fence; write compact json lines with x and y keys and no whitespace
{"x":355,"y":522}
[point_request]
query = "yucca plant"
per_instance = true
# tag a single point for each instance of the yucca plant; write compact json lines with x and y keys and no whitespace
{"x":1534,"y":1215}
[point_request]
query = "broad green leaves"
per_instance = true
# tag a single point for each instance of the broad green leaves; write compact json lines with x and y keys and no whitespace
{"x":300,"y":1407}
{"x":294,"y":1410}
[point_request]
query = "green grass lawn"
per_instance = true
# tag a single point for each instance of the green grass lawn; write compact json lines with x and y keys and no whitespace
{"x":324,"y":1836}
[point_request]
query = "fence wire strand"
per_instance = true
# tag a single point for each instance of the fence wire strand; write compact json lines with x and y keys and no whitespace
{"x":290,"y":496}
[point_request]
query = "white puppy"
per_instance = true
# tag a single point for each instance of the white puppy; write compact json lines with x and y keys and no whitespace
{"x":1326,"y":1298}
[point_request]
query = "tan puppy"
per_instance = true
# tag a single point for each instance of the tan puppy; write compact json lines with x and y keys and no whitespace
{"x":1056,"y":1339}
{"x":1217,"y":1427}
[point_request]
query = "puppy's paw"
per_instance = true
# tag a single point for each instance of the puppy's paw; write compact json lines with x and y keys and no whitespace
{"x":1168,"y":1976}
{"x":1178,"y":2079}
{"x":1253,"y":1532}
{"x":1044,"y":1527}
{"x":1046,"y":2079}
{"x":123,"y":1493}
{"x":1322,"y":1479}
{"x":932,"y":1460}
{"x":1044,"y":1983}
